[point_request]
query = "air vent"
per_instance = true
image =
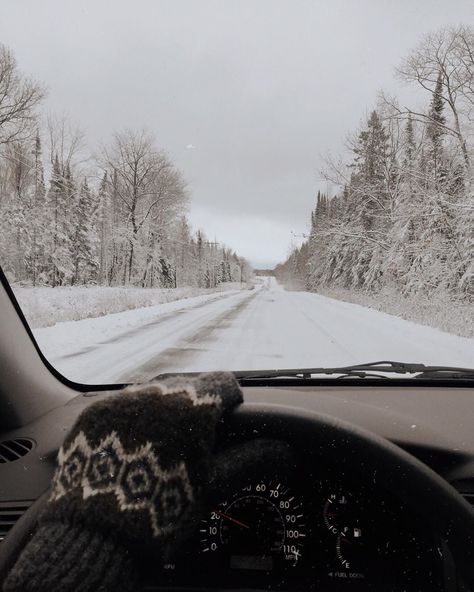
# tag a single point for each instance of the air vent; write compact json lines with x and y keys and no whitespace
{"x":11,"y":450}
{"x":10,"y":512}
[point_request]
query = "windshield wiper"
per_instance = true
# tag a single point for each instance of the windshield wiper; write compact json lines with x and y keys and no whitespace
{"x":369,"y":370}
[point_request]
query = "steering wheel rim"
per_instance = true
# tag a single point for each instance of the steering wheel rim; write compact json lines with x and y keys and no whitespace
{"x":421,"y":488}
{"x":412,"y":481}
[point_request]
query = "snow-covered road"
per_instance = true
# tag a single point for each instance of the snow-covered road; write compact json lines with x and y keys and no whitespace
{"x":264,"y":328}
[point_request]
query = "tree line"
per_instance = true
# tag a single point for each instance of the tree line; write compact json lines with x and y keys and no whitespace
{"x":117,"y":218}
{"x":404,"y":214}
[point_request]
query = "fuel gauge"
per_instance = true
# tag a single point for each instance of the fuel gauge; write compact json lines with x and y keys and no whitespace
{"x":350,"y":548}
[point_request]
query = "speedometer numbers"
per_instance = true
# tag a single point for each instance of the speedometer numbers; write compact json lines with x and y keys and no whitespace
{"x":259,"y":527}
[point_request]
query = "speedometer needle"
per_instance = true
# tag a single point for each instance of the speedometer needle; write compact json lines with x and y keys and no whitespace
{"x":232,"y":519}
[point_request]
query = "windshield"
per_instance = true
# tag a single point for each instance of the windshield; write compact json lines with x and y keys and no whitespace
{"x":191,"y":186}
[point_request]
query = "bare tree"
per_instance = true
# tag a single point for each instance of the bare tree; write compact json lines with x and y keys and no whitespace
{"x":18,"y":98}
{"x":446,"y":55}
{"x":150,"y":190}
{"x":66,"y":141}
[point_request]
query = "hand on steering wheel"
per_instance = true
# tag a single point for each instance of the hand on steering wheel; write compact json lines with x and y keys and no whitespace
{"x":129,"y":478}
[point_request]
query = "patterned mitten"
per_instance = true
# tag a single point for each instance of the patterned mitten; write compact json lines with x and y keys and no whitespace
{"x":129,"y":476}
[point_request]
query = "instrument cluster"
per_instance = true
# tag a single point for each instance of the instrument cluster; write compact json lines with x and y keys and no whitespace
{"x":297,"y":532}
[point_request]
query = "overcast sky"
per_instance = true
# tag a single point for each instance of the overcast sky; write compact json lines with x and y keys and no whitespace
{"x":245,"y":95}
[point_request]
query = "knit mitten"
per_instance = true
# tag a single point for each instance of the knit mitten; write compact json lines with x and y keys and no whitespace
{"x":129,"y":477}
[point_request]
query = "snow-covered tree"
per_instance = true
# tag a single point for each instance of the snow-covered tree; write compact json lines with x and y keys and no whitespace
{"x":84,"y":238}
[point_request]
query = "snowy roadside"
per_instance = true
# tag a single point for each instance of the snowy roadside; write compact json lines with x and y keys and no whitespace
{"x":70,"y":338}
{"x":439,"y":312}
{"x":267,"y":327}
{"x":45,"y":306}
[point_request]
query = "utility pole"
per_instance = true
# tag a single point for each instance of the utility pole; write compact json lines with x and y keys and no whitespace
{"x":241,"y":266}
{"x":212,"y":279}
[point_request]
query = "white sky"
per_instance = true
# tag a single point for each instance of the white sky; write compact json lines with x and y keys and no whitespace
{"x":245,"y":95}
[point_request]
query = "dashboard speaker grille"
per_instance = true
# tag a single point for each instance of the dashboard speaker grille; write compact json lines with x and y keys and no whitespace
{"x":11,"y":450}
{"x":10,"y":512}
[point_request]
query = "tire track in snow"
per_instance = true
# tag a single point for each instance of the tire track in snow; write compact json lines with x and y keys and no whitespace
{"x":154,"y":323}
{"x":186,"y":349}
{"x":117,"y":359}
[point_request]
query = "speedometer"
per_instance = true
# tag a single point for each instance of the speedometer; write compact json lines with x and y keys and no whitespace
{"x":259,"y":527}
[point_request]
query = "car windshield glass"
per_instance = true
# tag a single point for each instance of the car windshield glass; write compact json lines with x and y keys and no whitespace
{"x":190,"y":186}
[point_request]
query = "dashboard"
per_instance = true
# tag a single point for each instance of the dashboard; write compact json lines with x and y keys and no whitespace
{"x":296,"y":529}
{"x":298,"y":521}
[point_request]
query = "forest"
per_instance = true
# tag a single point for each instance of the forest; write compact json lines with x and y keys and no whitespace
{"x":403,"y":214}
{"x":114,"y":216}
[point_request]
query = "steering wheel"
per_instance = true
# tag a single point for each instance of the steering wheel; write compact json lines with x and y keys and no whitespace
{"x":442,"y":507}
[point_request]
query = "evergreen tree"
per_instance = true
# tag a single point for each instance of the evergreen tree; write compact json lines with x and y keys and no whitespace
{"x":435,"y":130}
{"x":104,"y":224}
{"x":409,"y":145}
{"x":369,"y":171}
{"x":60,"y":265}
{"x":84,"y":240}
{"x":405,"y":226}
{"x":38,"y":212}
{"x":366,"y":212}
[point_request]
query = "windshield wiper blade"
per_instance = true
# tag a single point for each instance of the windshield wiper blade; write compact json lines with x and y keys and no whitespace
{"x":368,"y":370}
{"x":440,"y":372}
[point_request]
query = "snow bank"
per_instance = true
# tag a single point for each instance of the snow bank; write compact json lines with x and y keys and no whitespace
{"x":43,"y":307}
{"x":438,"y":311}
{"x":78,"y":348}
